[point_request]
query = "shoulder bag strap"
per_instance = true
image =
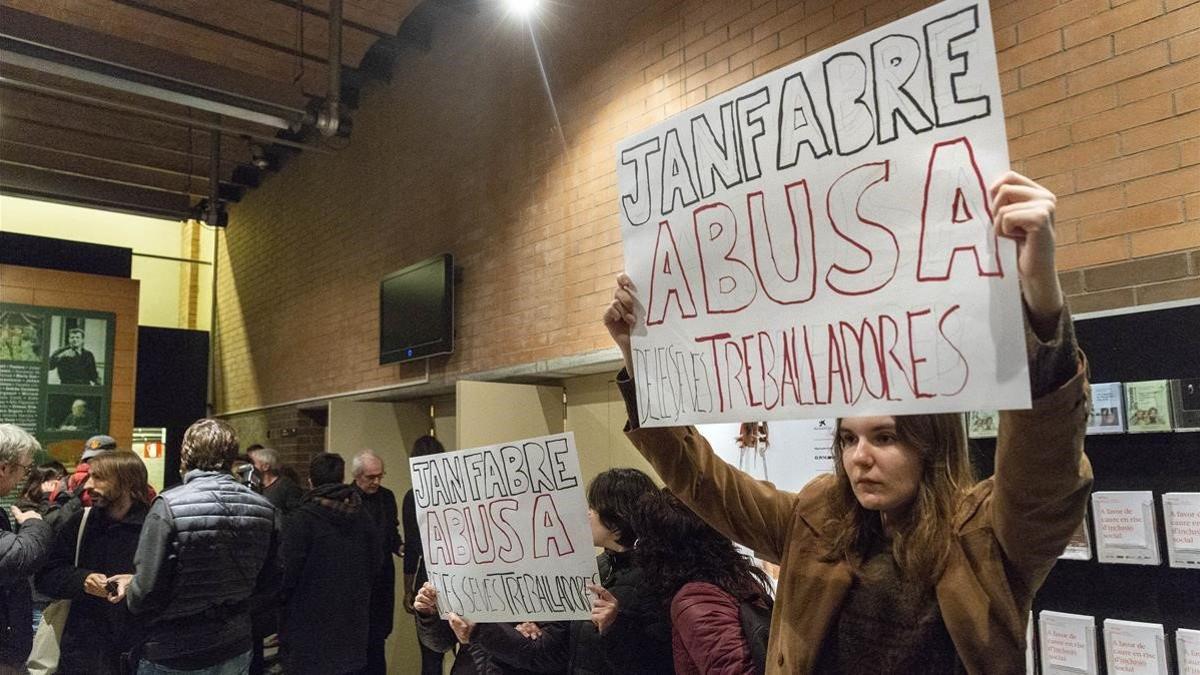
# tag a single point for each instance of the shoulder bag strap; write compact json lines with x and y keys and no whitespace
{"x":87,"y":511}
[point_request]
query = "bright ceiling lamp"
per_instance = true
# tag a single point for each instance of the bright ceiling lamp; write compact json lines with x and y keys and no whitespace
{"x":522,"y":8}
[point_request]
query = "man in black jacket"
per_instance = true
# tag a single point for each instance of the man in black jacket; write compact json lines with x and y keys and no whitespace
{"x":205,"y":558}
{"x":380,"y":503}
{"x":82,"y":564}
{"x":21,"y":553}
{"x":74,"y":363}
{"x":281,"y":491}
{"x":330,"y":556}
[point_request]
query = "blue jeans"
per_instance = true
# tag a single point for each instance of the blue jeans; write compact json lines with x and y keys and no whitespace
{"x":238,"y":665}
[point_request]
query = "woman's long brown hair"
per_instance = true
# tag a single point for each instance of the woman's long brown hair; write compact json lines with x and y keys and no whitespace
{"x":921,"y":541}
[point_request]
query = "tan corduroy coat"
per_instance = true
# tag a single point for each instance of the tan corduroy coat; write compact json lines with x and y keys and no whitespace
{"x":1009,"y":530}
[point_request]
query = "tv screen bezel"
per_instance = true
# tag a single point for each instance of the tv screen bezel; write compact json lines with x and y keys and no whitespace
{"x":444,"y":344}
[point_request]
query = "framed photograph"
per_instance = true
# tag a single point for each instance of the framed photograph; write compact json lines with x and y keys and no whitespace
{"x":21,"y":337}
{"x":78,"y":349}
{"x":72,"y":413}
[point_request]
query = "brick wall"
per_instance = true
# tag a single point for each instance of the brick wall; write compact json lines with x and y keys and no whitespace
{"x":295,"y":435}
{"x":459,"y":153}
{"x":52,"y":288}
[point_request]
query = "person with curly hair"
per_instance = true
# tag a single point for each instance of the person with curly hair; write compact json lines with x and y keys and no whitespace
{"x":706,"y":581}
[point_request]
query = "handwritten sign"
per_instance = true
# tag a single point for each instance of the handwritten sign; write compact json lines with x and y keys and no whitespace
{"x":505,"y":530}
{"x":818,"y":241}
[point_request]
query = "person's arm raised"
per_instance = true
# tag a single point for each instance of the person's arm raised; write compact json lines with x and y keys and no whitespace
{"x":1042,"y":478}
{"x":751,"y":512}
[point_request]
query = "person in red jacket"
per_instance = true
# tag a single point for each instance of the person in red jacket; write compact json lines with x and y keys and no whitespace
{"x":709,"y":584}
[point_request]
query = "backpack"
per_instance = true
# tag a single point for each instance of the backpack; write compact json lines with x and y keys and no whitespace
{"x":756,"y":628}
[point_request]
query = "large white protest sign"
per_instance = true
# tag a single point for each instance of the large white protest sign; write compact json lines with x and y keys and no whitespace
{"x":505,"y":530}
{"x":818,"y":241}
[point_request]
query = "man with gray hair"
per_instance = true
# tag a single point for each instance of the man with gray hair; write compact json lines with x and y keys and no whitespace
{"x":281,"y":491}
{"x":21,"y":552}
{"x":380,"y":503}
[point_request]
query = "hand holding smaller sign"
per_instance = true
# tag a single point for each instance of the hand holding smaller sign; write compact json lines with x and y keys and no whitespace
{"x":425,"y":603}
{"x":530,"y":630}
{"x":604,"y":607}
{"x":462,"y":627}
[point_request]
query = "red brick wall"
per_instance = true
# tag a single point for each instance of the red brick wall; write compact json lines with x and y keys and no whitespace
{"x":458,"y":153}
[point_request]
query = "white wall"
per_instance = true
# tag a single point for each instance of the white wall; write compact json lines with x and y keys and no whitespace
{"x":159,"y":301}
{"x":389,"y":429}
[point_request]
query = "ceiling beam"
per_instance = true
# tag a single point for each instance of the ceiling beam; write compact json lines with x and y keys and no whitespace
{"x":99,"y":168}
{"x":95,"y":143}
{"x":169,"y":64}
{"x":44,"y":185}
{"x":159,"y":115}
{"x":324,"y":16}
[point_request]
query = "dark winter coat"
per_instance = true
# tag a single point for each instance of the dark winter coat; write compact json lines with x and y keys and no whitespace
{"x":284,"y":495}
{"x":330,"y":555}
{"x":639,"y":641}
{"x":497,"y":648}
{"x":21,"y":554}
{"x":381,"y":506}
{"x":97,"y":631}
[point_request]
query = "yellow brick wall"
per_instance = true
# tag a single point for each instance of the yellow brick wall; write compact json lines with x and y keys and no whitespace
{"x":459,"y":153}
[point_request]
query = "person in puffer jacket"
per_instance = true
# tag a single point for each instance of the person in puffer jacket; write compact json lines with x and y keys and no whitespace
{"x":206,"y":557}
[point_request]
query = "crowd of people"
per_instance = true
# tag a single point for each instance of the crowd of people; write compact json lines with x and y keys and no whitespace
{"x":194,"y":579}
{"x":898,"y":562}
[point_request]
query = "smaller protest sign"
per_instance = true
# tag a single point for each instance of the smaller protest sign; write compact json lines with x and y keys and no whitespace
{"x":505,"y":531}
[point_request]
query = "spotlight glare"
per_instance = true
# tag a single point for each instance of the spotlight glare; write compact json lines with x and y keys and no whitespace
{"x":522,"y":8}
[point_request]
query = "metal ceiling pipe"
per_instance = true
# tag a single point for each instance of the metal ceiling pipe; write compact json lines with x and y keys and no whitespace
{"x":212,"y":215}
{"x":54,"y":61}
{"x":157,"y":114}
{"x":329,"y":120}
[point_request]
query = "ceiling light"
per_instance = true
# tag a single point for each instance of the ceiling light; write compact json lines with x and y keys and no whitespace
{"x":522,"y":8}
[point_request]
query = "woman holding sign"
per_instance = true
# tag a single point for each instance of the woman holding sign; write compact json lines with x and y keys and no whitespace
{"x":900,"y":561}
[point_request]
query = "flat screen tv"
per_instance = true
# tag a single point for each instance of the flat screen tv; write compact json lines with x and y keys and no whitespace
{"x":416,"y":311}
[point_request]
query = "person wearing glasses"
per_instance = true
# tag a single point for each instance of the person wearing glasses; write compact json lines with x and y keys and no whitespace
{"x":379,"y":503}
{"x":21,"y":552}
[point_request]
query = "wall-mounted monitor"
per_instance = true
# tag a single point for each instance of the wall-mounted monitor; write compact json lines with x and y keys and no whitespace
{"x":416,"y":311}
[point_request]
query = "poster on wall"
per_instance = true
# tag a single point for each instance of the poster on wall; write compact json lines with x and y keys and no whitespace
{"x":55,"y":374}
{"x":505,"y":530}
{"x":788,"y":453}
{"x":818,"y":242}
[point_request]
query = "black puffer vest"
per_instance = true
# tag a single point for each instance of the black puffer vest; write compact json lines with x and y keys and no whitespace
{"x":223,"y":534}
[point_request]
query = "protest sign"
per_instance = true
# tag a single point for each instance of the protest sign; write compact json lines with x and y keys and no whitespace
{"x":818,"y":241}
{"x":504,"y":530}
